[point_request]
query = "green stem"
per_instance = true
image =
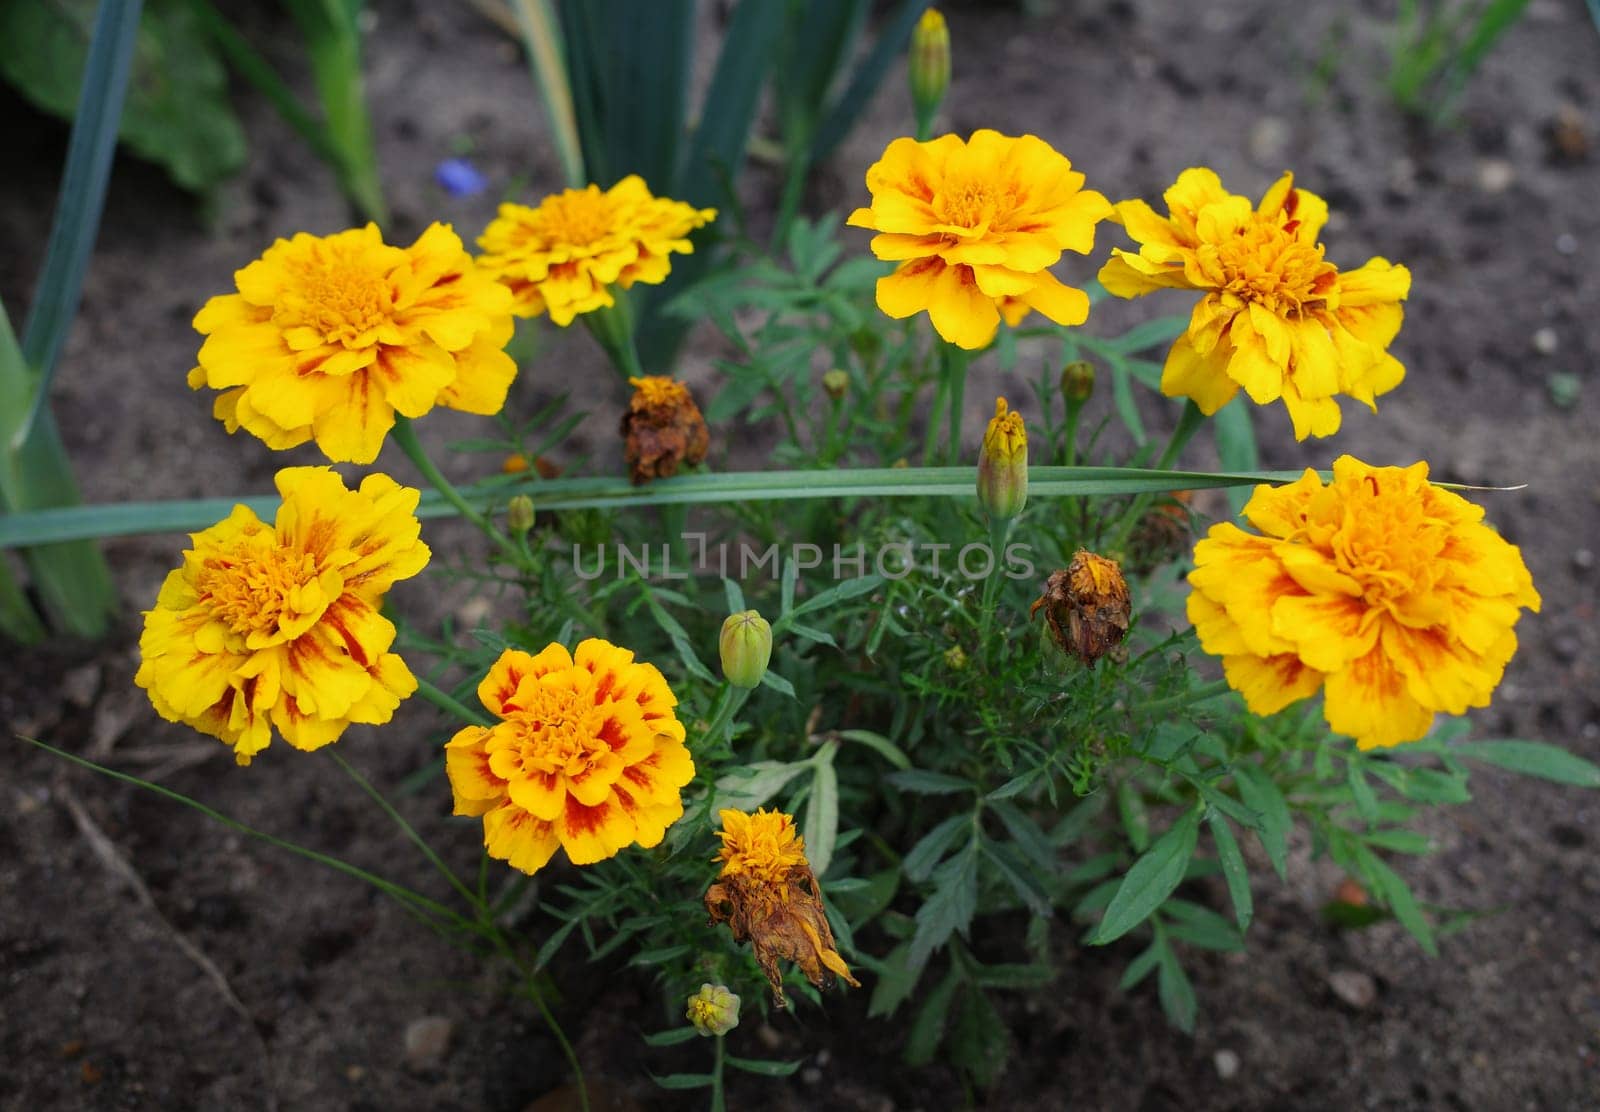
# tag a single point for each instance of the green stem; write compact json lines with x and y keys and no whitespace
{"x":406,"y":437}
{"x":532,"y":987}
{"x":1188,"y":425}
{"x":612,"y":328}
{"x":1188,"y":698}
{"x":991,"y":585}
{"x":447,"y":703}
{"x":955,"y":362}
{"x":718,"y":1101}
{"x":407,"y":829}
{"x":728,"y":704}
{"x":1074,"y":413}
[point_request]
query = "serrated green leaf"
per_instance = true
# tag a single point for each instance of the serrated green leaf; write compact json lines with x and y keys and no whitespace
{"x":1532,"y":758}
{"x":671,"y":1037}
{"x":821,"y":825}
{"x":1361,"y":792}
{"x":1177,"y":994}
{"x":980,"y":1042}
{"x":919,"y":863}
{"x":684,"y":1080}
{"x":763,"y":1067}
{"x":1151,"y":880}
{"x":950,"y":909}
{"x":1261,"y":795}
{"x":1233,"y":869}
{"x":927,"y":1030}
{"x":1140,"y":967}
{"x":920,"y":781}
{"x":746,"y":788}
{"x":879,"y":744}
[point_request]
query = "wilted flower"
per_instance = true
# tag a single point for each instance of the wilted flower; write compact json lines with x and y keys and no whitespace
{"x":329,"y":337}
{"x":280,"y":625}
{"x":1086,"y":606}
{"x":713,"y":1010}
{"x":1277,"y":318}
{"x":662,"y":428}
{"x":975,"y":226}
{"x":1003,"y":464}
{"x":588,"y":756}
{"x":767,"y":894}
{"x":746,"y":647}
{"x":564,"y":256}
{"x":1390,"y":595}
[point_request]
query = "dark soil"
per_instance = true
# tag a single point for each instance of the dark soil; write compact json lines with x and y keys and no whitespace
{"x":102,"y":1006}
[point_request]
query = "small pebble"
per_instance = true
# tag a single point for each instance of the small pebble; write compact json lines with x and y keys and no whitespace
{"x":354,"y":1074}
{"x":1546,"y":342}
{"x":427,"y":1041}
{"x":1495,"y":175}
{"x":1583,"y":559}
{"x":81,"y":685}
{"x":811,"y":1075}
{"x":1567,"y":243}
{"x":1269,"y":139}
{"x":1353,"y":987}
{"x":1227,"y":1063}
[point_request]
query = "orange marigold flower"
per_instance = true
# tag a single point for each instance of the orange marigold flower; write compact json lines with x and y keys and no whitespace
{"x":767,"y":894}
{"x":976,"y":225}
{"x":329,"y":337}
{"x":662,"y":429}
{"x":588,"y":756}
{"x":1278,"y":319}
{"x":279,"y":625}
{"x":1087,"y":607}
{"x":564,"y":256}
{"x":1389,"y":594}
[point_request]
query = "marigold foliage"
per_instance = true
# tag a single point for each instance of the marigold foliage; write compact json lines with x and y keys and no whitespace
{"x":588,"y":756}
{"x":564,"y":256}
{"x":329,"y":337}
{"x":1278,"y":319}
{"x":768,"y":895}
{"x":1389,"y":594}
{"x":976,"y":224}
{"x":279,"y":626}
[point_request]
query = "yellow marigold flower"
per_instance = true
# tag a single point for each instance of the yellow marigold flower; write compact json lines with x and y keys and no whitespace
{"x":564,"y":256}
{"x":767,"y":894}
{"x":329,"y":337}
{"x":976,"y":225}
{"x":1278,"y":319}
{"x":279,"y":625}
{"x":1388,"y":593}
{"x":588,"y":756}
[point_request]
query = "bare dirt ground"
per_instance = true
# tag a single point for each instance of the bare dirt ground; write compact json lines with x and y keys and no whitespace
{"x":316,"y":978}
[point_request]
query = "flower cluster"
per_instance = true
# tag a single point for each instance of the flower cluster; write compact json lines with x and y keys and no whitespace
{"x":588,"y":756}
{"x":564,"y":256}
{"x":1277,"y":319}
{"x":975,"y":226}
{"x":329,"y":337}
{"x":767,"y":894}
{"x":279,"y":626}
{"x":1387,"y":593}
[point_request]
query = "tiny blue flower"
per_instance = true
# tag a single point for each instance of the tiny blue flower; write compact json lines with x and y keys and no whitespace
{"x":460,"y":178}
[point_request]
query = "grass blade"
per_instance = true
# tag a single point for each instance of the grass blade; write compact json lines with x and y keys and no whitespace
{"x":844,"y":113}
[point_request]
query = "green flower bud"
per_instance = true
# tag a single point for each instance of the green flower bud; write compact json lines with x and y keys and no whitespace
{"x":1077,"y":380}
{"x":713,"y":1010}
{"x":929,"y":66}
{"x":746,"y":645}
{"x":519,"y":514}
{"x":836,"y":383}
{"x":1003,"y":465}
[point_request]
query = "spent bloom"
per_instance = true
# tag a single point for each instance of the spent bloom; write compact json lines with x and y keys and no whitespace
{"x":713,"y":1010}
{"x":1003,"y":464}
{"x":975,"y":225}
{"x":767,"y":894}
{"x":1388,"y":594}
{"x":588,"y":756}
{"x":662,"y":428}
{"x":329,"y":337}
{"x":564,"y":256}
{"x":278,"y":625}
{"x":1277,"y":318}
{"x":1087,"y":607}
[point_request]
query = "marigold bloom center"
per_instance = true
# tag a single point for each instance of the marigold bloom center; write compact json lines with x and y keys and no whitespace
{"x":973,"y":202}
{"x":1387,"y":545}
{"x":561,"y":732}
{"x":342,"y":299}
{"x":765,"y":847}
{"x":579,"y":216}
{"x":1265,"y":263}
{"x":249,"y":588}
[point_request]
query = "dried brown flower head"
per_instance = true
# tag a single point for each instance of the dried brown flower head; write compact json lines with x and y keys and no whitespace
{"x":1086,"y":606}
{"x":1162,"y":535}
{"x":767,"y":895}
{"x":662,"y":428}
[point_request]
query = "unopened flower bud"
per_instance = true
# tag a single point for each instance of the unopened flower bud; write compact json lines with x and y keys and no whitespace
{"x":1086,"y":606}
{"x":1077,"y":380}
{"x":1003,"y":465}
{"x":519,"y":514}
{"x":746,"y":645}
{"x":929,"y":65}
{"x":713,"y":1010}
{"x":955,"y":658}
{"x":836,"y":383}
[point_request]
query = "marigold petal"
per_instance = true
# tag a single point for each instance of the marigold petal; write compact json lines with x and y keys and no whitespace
{"x":512,"y":835}
{"x":1369,"y":700}
{"x":1202,"y":379}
